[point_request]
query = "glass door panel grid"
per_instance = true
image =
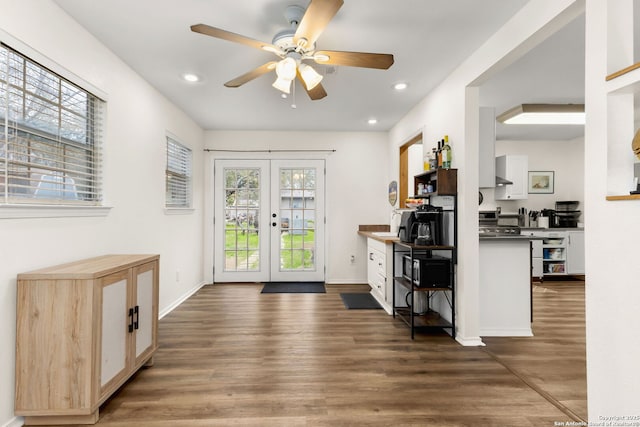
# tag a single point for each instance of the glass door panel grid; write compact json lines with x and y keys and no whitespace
{"x":297,"y":219}
{"x":242,"y":213}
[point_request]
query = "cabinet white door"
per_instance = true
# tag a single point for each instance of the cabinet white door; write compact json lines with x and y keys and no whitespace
{"x":114,"y":328}
{"x":575,"y":252}
{"x":515,"y":169}
{"x":144,"y":311}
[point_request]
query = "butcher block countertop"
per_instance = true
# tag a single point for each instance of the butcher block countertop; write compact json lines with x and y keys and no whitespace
{"x":379,"y":232}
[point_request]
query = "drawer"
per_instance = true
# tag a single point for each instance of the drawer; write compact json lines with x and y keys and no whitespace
{"x":377,"y":262}
{"x":378,"y":284}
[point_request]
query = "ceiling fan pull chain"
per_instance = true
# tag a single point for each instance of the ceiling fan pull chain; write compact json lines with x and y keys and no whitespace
{"x":293,"y":95}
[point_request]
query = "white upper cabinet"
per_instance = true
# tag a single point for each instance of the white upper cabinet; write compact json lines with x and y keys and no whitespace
{"x":515,"y":169}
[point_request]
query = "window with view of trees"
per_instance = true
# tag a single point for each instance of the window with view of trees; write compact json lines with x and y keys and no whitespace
{"x":178,"y":175}
{"x":50,"y":136}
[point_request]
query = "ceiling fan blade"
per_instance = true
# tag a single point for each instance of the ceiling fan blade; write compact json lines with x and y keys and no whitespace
{"x":381,"y":61}
{"x":316,"y":93}
{"x":315,"y":19}
{"x":232,"y":37}
{"x":247,"y":77}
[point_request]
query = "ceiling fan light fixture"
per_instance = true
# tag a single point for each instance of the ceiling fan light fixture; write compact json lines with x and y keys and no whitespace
{"x":283,"y":85}
{"x":544,"y":114}
{"x":310,"y":76}
{"x":286,"y":69}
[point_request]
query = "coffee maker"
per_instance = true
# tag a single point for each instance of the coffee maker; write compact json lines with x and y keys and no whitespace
{"x":428,"y":225}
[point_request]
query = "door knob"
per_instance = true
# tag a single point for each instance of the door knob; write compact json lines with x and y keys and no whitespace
{"x":274,"y":223}
{"x":273,"y":215}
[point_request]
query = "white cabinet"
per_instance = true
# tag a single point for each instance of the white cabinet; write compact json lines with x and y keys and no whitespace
{"x":554,"y":253}
{"x":536,"y":259}
{"x":575,"y":252}
{"x":486,"y":152}
{"x":515,"y":169}
{"x":380,"y":272}
{"x":561,"y":253}
{"x":83,"y":329}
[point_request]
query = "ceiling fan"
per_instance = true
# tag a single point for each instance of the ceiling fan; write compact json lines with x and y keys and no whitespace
{"x":298,"y":44}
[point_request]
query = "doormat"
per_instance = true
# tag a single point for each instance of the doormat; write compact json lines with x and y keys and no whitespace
{"x":359,"y":301}
{"x":293,"y":288}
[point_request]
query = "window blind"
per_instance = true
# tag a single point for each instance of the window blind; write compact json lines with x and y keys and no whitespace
{"x":50,"y":136}
{"x":178,"y":175}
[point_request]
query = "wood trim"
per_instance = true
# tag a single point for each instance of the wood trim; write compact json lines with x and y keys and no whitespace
{"x":623,"y":71}
{"x":403,"y":190}
{"x":626,"y":197}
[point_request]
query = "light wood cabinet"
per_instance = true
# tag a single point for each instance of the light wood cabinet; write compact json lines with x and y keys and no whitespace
{"x":83,"y":329}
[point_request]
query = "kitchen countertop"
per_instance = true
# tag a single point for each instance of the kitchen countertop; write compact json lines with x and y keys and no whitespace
{"x":370,"y":230}
{"x":552,"y":229}
{"x":508,"y":237}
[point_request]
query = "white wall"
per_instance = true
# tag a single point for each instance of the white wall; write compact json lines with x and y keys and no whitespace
{"x":356,"y":187}
{"x":452,"y":108}
{"x":612,"y":267}
{"x":564,"y":157}
{"x":134,"y":160}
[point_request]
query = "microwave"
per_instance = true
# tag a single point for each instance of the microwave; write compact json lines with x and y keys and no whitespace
{"x":428,"y":271}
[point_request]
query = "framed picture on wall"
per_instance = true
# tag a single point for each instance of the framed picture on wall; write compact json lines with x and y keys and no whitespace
{"x":540,"y":182}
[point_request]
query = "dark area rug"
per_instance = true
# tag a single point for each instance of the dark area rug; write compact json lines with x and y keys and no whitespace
{"x":293,"y":288}
{"x":359,"y":301}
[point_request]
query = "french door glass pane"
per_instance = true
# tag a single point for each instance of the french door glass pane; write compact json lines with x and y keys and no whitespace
{"x":297,"y":216}
{"x":242,"y":210}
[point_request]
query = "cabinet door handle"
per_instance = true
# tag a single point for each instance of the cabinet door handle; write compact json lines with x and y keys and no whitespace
{"x":130,"y":319}
{"x":136,"y":312}
{"x":370,"y":256}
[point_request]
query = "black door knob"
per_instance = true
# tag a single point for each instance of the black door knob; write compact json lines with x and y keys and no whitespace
{"x":274,"y":223}
{"x":273,"y":215}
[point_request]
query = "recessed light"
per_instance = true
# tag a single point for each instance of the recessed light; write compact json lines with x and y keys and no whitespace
{"x":191,"y":78}
{"x":372,"y":121}
{"x":400,"y":86}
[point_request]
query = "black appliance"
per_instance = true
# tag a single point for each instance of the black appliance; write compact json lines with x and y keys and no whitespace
{"x":428,"y":225}
{"x":406,"y":228}
{"x":551,"y":214}
{"x":567,"y":214}
{"x":427,"y":271}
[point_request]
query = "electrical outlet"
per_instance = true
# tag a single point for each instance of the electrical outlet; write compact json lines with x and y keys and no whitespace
{"x":177,"y":275}
{"x":352,"y":259}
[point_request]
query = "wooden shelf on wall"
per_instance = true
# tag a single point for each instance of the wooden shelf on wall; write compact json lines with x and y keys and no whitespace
{"x":626,"y":197}
{"x":623,"y":71}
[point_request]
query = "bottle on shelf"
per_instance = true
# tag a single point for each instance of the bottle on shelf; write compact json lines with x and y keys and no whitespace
{"x":446,"y":153}
{"x":439,"y":154}
{"x":434,"y":159}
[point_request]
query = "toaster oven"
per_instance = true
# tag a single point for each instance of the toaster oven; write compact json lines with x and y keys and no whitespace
{"x":427,"y":271}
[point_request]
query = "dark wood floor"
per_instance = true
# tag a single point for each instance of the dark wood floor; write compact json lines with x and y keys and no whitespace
{"x":230,"y":356}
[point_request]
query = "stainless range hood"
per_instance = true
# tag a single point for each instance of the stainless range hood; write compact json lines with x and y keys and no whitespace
{"x":500,"y":181}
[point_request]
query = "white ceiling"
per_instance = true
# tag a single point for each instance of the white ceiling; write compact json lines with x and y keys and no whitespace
{"x":428,"y":39}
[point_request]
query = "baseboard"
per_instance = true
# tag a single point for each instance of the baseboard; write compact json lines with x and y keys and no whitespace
{"x":470,"y":342}
{"x":346,"y":282}
{"x":521,"y":332}
{"x":14,"y":422}
{"x":180,"y":300}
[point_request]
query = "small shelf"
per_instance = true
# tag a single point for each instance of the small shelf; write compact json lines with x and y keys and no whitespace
{"x":623,"y":71}
{"x":431,"y":319}
{"x":628,"y":197}
{"x":407,"y":285}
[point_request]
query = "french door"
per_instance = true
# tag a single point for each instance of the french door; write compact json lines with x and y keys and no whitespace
{"x":269,"y":220}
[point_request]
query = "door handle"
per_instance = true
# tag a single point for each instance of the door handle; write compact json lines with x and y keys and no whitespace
{"x":130,"y":319}
{"x":136,"y":323}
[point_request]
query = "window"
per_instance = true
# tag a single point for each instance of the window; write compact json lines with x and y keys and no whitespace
{"x":50,"y":136}
{"x":178,"y":175}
